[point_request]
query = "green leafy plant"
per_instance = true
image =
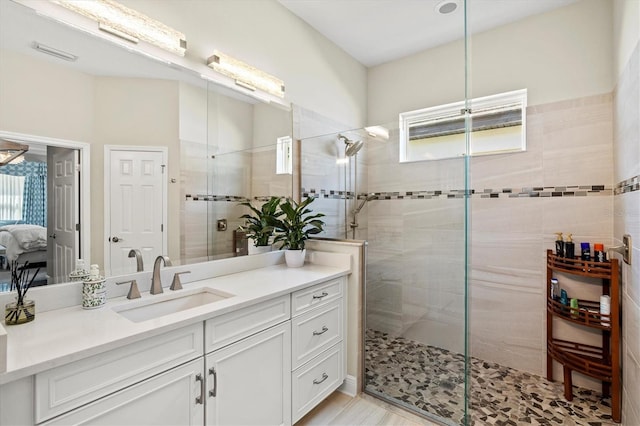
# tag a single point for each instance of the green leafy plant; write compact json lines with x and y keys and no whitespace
{"x":297,"y":224}
{"x":260,"y":225}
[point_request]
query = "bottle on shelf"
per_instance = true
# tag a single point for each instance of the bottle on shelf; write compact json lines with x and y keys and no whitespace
{"x":569,"y":248}
{"x":559,"y":245}
{"x":599,"y":255}
{"x":585,"y":251}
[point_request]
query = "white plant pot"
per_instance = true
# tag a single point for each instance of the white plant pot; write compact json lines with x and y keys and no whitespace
{"x":294,"y":258}
{"x":258,"y":249}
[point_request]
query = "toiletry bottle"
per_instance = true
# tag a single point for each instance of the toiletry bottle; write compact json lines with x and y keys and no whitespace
{"x":559,"y":245}
{"x":569,"y":248}
{"x":585,"y":251}
{"x":599,"y":255}
{"x":564,"y":298}
{"x":555,"y":289}
{"x":575,"y":313}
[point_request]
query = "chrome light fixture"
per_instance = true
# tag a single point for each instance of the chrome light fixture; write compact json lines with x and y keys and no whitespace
{"x":9,"y":151}
{"x":245,"y":75}
{"x":128,"y":24}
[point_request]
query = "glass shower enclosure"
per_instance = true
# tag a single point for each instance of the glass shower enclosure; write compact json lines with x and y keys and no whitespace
{"x":412,"y":216}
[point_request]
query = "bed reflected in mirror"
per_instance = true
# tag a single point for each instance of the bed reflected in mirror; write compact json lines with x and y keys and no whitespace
{"x":40,"y":214}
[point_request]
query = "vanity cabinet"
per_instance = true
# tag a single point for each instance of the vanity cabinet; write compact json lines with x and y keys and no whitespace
{"x":248,"y":382}
{"x":318,"y":329}
{"x":266,"y":363}
{"x":171,"y":398}
{"x":70,"y":386}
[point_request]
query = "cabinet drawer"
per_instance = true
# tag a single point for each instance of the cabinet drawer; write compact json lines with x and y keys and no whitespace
{"x":316,"y":331}
{"x":228,"y":328}
{"x":320,"y":294}
{"x":170,"y":398}
{"x":69,"y":386}
{"x":315,"y":380}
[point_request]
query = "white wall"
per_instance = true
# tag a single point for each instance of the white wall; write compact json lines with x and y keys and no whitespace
{"x":626,"y":32}
{"x":558,"y":55}
{"x":317,"y":74}
{"x":42,"y":98}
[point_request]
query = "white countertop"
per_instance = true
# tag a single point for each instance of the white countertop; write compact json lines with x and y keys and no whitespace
{"x":64,"y":335}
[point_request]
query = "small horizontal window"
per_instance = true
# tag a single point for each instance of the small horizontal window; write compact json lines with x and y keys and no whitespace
{"x":497,"y":125}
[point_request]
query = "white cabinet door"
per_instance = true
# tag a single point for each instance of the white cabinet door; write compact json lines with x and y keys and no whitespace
{"x":175,"y":397}
{"x":249,"y":382}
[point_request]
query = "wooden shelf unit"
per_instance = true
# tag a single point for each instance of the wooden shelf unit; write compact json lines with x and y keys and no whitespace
{"x":600,"y":362}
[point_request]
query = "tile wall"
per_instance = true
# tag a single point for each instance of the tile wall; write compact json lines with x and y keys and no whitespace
{"x":415,"y":229}
{"x":569,"y":156}
{"x":626,"y":114}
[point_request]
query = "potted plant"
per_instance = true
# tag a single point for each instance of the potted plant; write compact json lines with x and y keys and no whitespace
{"x":293,"y":229}
{"x":260,"y":225}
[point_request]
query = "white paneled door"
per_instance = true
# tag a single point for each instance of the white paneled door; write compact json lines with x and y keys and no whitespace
{"x":63,"y":212}
{"x":136,"y":207}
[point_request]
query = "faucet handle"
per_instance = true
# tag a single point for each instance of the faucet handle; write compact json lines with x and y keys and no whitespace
{"x":176,"y":284}
{"x":134,"y":293}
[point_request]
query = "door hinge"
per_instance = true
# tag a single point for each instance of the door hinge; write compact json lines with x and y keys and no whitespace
{"x":78,"y":169}
{"x":77,"y":227}
{"x":162,"y":227}
{"x":162,"y":166}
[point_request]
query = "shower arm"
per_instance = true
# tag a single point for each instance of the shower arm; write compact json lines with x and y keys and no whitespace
{"x":361,"y":206}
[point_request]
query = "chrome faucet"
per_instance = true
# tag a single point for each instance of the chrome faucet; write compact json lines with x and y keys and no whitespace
{"x":136,"y":253}
{"x":156,"y":284}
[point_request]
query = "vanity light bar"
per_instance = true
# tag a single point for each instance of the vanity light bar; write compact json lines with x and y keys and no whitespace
{"x":128,"y":24}
{"x":246,"y":75}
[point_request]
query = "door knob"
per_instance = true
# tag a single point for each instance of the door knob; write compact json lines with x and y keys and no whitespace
{"x":116,"y":239}
{"x":52,"y":236}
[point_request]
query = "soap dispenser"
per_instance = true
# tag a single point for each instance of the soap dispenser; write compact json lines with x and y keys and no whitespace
{"x":94,"y":292}
{"x":569,"y":248}
{"x":559,"y":245}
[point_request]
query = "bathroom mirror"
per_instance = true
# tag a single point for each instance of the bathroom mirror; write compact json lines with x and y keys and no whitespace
{"x":219,"y":144}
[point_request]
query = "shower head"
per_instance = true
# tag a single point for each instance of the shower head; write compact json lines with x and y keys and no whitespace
{"x":364,"y":201}
{"x":352,"y":147}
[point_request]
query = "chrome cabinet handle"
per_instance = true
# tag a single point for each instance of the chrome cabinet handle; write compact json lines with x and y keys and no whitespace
{"x":324,"y":330}
{"x":200,"y":399}
{"x":325,"y":376}
{"x":214,"y":391}
{"x":324,"y":294}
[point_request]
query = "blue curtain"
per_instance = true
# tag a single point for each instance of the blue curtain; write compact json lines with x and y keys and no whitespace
{"x":34,"y":208}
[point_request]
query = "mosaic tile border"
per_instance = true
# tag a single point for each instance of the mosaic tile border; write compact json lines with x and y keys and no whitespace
{"x":629,"y":185}
{"x":227,"y":198}
{"x":524,"y":192}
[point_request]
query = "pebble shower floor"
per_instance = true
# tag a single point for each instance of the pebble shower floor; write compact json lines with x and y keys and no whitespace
{"x":432,"y":379}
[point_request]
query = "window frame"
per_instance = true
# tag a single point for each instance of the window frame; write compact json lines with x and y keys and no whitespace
{"x":508,"y":101}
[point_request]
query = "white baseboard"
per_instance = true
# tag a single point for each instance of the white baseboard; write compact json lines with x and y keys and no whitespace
{"x":349,"y":386}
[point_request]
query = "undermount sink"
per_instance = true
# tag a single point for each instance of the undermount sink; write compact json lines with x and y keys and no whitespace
{"x":158,"y":306}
